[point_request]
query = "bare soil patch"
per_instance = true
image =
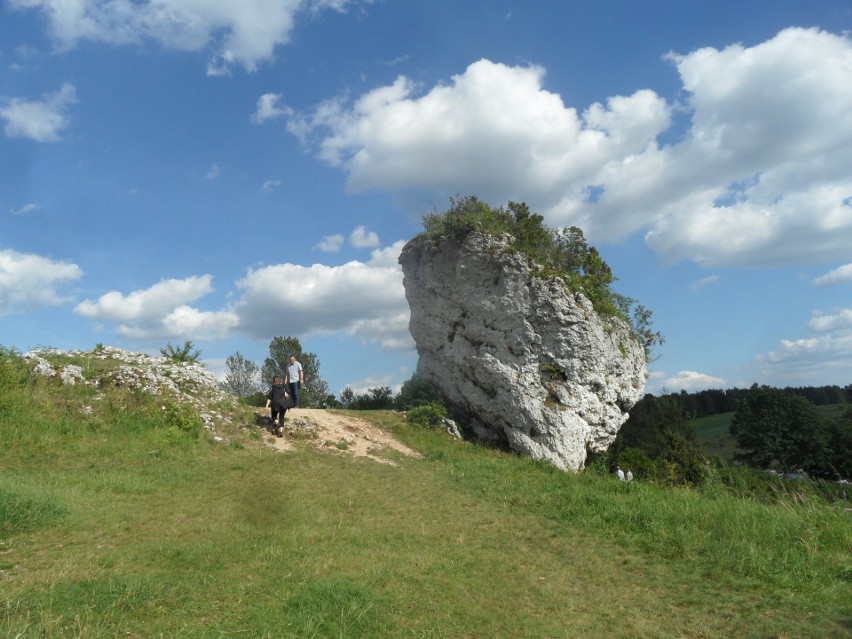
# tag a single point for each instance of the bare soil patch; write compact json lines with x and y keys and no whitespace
{"x":337,"y":432}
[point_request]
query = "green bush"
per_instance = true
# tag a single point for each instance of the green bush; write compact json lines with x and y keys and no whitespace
{"x":178,"y":422}
{"x":13,"y":369}
{"x":428,"y":415}
{"x":638,"y":462}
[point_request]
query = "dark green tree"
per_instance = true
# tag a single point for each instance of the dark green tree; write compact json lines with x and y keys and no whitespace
{"x":315,"y":391}
{"x":347,"y":396}
{"x":416,"y":392}
{"x":775,"y":427}
{"x":839,"y":444}
{"x":658,"y":441}
{"x":379,"y":398}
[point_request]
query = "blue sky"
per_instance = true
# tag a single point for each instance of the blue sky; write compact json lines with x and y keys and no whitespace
{"x":227,"y":171}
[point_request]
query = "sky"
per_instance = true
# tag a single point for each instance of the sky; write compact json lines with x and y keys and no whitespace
{"x":228,"y":171}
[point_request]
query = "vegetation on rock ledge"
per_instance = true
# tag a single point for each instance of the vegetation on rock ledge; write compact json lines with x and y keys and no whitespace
{"x":562,"y":253}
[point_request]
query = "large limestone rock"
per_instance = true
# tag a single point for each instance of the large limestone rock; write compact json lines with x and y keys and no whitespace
{"x":526,"y":361}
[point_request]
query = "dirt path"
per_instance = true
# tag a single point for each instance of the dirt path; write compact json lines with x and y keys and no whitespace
{"x":337,"y":432}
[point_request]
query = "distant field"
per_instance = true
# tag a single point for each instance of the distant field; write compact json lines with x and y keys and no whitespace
{"x":715,"y":439}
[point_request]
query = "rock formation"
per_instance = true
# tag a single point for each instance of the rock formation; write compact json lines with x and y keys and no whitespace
{"x":187,"y":382}
{"x":521,"y":358}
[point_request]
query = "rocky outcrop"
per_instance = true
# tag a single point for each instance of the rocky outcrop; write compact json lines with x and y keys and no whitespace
{"x":524,"y":360}
{"x":187,"y":382}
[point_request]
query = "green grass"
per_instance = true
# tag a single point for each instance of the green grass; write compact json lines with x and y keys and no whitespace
{"x":714,"y":437}
{"x":116,"y":523}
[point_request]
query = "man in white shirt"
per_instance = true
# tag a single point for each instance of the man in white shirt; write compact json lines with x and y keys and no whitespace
{"x":295,"y":379}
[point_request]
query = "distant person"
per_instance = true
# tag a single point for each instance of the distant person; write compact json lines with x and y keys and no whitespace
{"x":629,"y":475}
{"x":295,"y":379}
{"x":277,"y":401}
{"x":620,"y":473}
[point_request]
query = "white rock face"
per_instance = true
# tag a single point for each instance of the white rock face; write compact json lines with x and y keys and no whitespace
{"x":525,"y":360}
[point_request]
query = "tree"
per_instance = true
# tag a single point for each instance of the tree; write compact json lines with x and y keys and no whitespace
{"x":772,"y":426}
{"x":243,"y":376}
{"x":416,"y":392}
{"x":839,"y":439}
{"x":347,"y":396}
{"x":315,"y":391}
{"x":183,"y":353}
{"x":379,"y":398}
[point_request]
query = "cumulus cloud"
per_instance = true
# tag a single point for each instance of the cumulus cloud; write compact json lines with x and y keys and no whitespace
{"x":811,"y":361}
{"x":270,"y":185}
{"x":242,"y":33}
{"x":821,"y":323}
{"x":691,"y":381}
{"x":362,"y":299}
{"x":212,"y":173}
{"x":161,"y":311}
{"x":494,"y":131}
{"x":362,"y":238}
{"x":39,"y":120}
{"x":269,"y":107}
{"x":840,"y":275}
{"x":330,"y":243}
{"x":759,"y":178}
{"x":31,"y":281}
{"x":822,"y":358}
{"x":365,"y":300}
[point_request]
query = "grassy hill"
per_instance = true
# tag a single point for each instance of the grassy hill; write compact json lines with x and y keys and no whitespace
{"x":121,"y":516}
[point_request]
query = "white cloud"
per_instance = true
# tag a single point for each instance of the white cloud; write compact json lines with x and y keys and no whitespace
{"x":362,"y":238}
{"x":760,"y":178}
{"x":270,"y":185}
{"x":213,"y":173}
{"x":161,"y":311}
{"x":821,"y":359}
{"x":39,"y":120}
{"x":704,"y":281}
{"x":330,"y":243}
{"x":26,"y":209}
{"x":840,"y":275}
{"x":362,"y":299}
{"x":365,"y":300}
{"x":30,"y":281}
{"x":691,"y":381}
{"x":269,"y":107}
{"x":494,"y":131}
{"x":245,"y":32}
{"x":821,"y":323}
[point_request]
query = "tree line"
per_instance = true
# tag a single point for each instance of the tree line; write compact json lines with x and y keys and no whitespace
{"x":774,"y":428}
{"x":250,"y":382}
{"x":713,"y":401}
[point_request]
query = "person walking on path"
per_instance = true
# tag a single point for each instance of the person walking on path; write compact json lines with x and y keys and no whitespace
{"x":295,"y":379}
{"x":277,"y":401}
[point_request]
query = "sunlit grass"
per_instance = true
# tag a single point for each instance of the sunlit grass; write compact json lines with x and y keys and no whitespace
{"x":113,"y":529}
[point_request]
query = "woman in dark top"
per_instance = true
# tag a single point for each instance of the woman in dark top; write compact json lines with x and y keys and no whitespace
{"x":278,"y":401}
